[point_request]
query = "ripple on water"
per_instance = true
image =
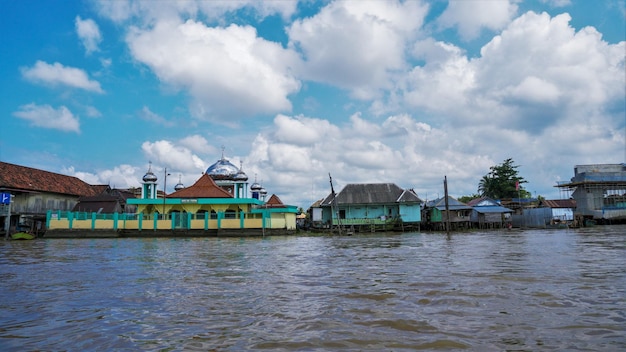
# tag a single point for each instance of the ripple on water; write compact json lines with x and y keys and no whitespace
{"x":531,"y":290}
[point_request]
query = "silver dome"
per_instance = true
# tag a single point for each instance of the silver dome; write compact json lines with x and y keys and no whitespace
{"x":149,"y":176}
{"x":241,"y":176}
{"x":222,"y":168}
{"x":179,"y":185}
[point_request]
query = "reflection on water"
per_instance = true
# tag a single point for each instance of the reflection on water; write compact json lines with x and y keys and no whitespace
{"x":492,"y":291}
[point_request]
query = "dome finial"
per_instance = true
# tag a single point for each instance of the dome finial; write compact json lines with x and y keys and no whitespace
{"x":150,"y":176}
{"x":179,"y":185}
{"x":223,"y":148}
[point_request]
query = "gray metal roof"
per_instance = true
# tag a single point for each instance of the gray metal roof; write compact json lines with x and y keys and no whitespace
{"x":492,"y":209}
{"x":372,"y":193}
{"x":453,"y":204}
{"x":409,"y":196}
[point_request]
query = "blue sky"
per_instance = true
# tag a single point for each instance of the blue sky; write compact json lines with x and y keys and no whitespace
{"x":369,"y":91}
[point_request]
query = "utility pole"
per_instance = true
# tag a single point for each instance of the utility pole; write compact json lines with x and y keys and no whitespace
{"x":164,"y":189}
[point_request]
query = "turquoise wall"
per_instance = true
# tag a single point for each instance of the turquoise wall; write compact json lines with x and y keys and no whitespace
{"x":411,"y":212}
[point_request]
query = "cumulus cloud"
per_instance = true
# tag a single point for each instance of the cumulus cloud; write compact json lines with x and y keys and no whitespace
{"x":229,"y":72}
{"x":173,"y":156}
{"x":57,"y":74}
{"x":89,"y":34}
{"x":470,"y":17}
{"x":538,"y":71}
{"x":198,"y":144}
{"x":399,"y":149}
{"x":356,"y":45}
{"x":45,"y":116}
{"x":121,"y":176}
{"x":411,"y":153}
{"x":577,"y":71}
{"x":302,"y":130}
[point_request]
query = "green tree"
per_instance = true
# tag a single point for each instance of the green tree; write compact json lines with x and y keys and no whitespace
{"x":503,"y":181}
{"x":465,"y":199}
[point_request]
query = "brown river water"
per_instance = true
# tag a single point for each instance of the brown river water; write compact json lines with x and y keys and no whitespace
{"x":535,"y":290}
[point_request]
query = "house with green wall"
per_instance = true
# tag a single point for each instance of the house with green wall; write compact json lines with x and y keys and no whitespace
{"x":371,"y":206}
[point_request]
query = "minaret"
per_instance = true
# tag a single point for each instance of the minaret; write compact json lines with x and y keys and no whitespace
{"x":256,"y":189}
{"x":149,"y":188}
{"x":241,"y":183}
{"x":179,"y":185}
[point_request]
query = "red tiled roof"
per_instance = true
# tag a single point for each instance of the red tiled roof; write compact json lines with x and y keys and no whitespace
{"x":275,"y":202}
{"x":205,"y":187}
{"x":100,"y":189}
{"x":22,"y":178}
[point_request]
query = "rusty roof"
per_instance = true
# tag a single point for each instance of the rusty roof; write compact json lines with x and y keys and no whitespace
{"x":559,"y":203}
{"x":205,"y":187}
{"x":26,"y":179}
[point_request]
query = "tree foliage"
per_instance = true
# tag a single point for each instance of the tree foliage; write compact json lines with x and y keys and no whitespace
{"x":465,"y":199}
{"x":503,"y":181}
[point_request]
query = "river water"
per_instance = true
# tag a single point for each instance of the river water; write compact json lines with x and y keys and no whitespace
{"x":537,"y":290}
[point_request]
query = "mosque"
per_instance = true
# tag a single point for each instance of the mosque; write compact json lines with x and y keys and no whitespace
{"x":220,"y":202}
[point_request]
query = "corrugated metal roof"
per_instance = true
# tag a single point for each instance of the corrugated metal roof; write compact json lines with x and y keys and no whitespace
{"x":483,"y":201}
{"x":559,"y":203}
{"x":409,"y":196}
{"x":27,"y":179}
{"x":492,"y":209}
{"x":453,"y":204}
{"x":372,"y":193}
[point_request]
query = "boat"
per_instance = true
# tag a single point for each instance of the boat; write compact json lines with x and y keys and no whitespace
{"x":22,"y":236}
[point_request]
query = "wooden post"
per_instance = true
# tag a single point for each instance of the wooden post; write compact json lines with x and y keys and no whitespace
{"x":445,"y":191}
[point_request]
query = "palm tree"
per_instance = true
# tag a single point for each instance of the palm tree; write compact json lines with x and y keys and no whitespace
{"x":502,"y":181}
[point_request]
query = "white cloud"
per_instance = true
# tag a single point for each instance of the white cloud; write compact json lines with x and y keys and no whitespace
{"x":470,"y":17}
{"x":144,"y":10}
{"x":538,"y":71}
{"x":576,"y":70}
{"x":122,"y":176}
{"x":146,"y":114}
{"x":198,"y":144}
{"x":174,"y":157}
{"x":301,"y":130}
{"x":558,"y":3}
{"x":444,"y":84}
{"x":399,"y":149}
{"x":356,"y":45}
{"x":229,"y":72}
{"x":89,"y":34}
{"x":57,"y":74}
{"x":92,"y":111}
{"x":46,"y":116}
{"x":534,"y":90}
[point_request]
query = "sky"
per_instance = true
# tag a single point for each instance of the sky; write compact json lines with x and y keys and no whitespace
{"x":402,"y":92}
